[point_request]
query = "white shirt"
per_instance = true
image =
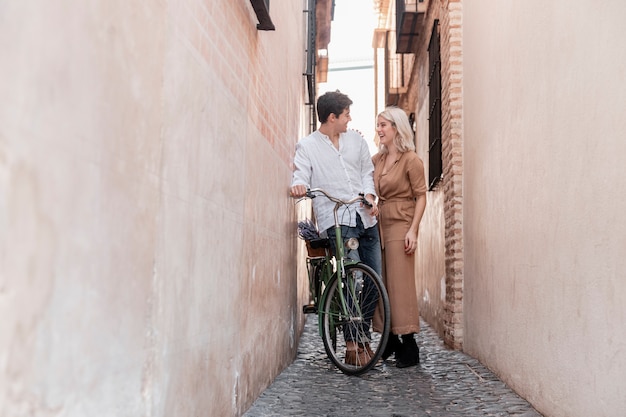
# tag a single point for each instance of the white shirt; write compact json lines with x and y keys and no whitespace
{"x":343,"y":173}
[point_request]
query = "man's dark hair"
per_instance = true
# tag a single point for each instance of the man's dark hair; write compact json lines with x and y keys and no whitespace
{"x":332,"y":102}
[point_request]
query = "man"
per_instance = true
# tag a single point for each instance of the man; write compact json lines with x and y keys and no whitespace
{"x":338,"y":160}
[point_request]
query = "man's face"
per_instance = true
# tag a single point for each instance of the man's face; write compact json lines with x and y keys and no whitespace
{"x":343,"y":120}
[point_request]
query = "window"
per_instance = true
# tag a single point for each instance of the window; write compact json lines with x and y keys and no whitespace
{"x":435,"y":166}
{"x":311,"y":59}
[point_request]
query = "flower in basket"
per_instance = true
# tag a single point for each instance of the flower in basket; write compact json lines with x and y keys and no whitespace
{"x":307,"y":230}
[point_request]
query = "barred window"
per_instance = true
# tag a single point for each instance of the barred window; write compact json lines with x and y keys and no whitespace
{"x":435,"y":165}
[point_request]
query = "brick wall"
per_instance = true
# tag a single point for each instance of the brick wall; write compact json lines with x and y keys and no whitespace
{"x":440,"y":265}
{"x":452,"y":155}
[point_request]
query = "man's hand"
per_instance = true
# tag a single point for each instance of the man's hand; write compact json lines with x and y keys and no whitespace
{"x":298,"y":191}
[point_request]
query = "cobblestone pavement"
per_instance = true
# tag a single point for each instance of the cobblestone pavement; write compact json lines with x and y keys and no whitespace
{"x":446,"y":383}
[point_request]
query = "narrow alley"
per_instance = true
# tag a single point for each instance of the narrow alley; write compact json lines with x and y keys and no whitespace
{"x":446,"y":383}
{"x":150,"y":263}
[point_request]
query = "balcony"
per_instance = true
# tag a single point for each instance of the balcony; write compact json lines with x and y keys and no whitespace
{"x":409,"y":17}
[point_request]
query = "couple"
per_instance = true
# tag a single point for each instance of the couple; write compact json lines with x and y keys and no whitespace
{"x":339,"y":161}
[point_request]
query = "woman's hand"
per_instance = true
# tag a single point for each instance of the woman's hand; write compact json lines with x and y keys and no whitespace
{"x":410,"y":242}
{"x":374,"y":208}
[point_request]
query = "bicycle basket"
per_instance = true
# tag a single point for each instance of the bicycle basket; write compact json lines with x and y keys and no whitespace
{"x":317,"y":247}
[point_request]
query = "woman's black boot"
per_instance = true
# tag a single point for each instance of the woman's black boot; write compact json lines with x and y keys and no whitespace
{"x":409,"y":353}
{"x":393,"y":344}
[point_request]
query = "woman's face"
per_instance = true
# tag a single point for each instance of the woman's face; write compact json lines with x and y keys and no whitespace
{"x":386,"y":131}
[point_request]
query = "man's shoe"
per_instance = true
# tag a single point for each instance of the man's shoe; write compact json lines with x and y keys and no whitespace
{"x":367,"y":348}
{"x":358,"y":357}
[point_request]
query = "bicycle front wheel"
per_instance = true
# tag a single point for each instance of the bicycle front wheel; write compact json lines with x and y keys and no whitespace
{"x":355,"y":311}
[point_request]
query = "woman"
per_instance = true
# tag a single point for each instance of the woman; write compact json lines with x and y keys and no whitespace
{"x":401,"y":188}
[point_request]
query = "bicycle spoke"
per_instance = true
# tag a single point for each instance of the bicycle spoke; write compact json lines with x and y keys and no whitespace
{"x":346,"y":319}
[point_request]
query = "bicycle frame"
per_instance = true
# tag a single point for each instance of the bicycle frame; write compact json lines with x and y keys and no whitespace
{"x":351,"y":292}
{"x":340,"y":259}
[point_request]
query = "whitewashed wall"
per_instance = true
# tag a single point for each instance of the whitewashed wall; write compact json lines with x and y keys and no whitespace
{"x":146,"y":235}
{"x":544,"y":87}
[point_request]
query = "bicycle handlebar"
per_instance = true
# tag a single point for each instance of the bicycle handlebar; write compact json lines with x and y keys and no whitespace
{"x":311,"y":194}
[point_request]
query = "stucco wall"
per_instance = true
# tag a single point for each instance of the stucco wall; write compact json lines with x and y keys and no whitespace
{"x":146,"y":235}
{"x":544,"y":91}
{"x":430,"y":263}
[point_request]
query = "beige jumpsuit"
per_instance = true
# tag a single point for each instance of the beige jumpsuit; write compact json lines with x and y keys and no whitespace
{"x":397,"y":190}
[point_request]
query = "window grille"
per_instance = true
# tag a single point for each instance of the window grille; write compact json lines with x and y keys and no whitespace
{"x":435,"y":165}
{"x":309,"y":71}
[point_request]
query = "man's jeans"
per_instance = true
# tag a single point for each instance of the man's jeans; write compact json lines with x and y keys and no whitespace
{"x":369,"y":253}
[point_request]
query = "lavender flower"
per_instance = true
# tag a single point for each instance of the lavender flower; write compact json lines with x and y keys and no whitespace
{"x":307,"y":230}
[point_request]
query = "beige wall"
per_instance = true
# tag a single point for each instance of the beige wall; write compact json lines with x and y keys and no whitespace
{"x":146,"y":246}
{"x":430,"y":263}
{"x":544,"y":88}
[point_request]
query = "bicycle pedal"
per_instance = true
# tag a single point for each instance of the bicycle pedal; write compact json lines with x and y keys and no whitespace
{"x":309,"y":308}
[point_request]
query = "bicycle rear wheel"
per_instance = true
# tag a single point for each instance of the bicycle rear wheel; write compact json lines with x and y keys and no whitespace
{"x":315,"y":270}
{"x":365,"y":296}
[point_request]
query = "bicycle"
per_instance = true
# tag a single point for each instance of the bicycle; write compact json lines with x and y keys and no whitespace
{"x":345,"y":293}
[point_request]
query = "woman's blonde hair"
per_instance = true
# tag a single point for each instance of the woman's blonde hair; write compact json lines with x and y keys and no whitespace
{"x":404,"y":133}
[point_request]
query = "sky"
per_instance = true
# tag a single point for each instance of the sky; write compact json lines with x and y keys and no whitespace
{"x":351,"y":62}
{"x":352,"y":30}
